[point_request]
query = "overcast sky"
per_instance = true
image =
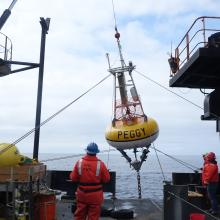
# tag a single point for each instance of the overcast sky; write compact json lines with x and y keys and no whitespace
{"x":81,"y":33}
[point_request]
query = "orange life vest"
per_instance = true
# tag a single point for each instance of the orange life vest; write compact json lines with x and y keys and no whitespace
{"x":90,"y":173}
{"x":210,"y":173}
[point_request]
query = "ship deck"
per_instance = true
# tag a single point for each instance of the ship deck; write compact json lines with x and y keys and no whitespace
{"x":144,"y":209}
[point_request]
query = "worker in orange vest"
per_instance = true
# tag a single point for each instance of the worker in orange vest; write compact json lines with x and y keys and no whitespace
{"x":210,"y":179}
{"x":90,"y":173}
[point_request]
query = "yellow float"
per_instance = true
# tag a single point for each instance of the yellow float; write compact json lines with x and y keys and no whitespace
{"x":9,"y":155}
{"x":132,"y":136}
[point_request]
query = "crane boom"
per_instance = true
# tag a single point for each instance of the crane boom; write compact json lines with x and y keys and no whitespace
{"x":6,"y":14}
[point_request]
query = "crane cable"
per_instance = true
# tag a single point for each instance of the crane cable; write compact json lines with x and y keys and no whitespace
{"x":164,"y":179}
{"x":53,"y":116}
{"x":114,"y":14}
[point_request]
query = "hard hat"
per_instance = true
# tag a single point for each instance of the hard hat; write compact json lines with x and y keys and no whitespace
{"x":205,"y":155}
{"x":211,"y":156}
{"x":92,"y":148}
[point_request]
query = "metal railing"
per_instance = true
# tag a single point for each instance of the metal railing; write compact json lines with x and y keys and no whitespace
{"x":195,"y":37}
{"x":5,"y":47}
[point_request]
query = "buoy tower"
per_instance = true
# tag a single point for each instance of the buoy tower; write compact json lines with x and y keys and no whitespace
{"x":131,"y":128}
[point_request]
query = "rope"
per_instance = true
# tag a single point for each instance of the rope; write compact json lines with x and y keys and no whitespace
{"x":164,"y":179}
{"x":52,"y":116}
{"x":178,"y":160}
{"x":155,"y":204}
{"x":185,"y":99}
{"x":108,"y":156}
{"x":72,"y":156}
{"x":178,"y":197}
{"x":164,"y":87}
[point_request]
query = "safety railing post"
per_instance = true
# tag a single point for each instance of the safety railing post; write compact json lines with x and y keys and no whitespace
{"x":186,"y":41}
{"x":204,"y":37}
{"x":187,"y":46}
{"x":6,"y":45}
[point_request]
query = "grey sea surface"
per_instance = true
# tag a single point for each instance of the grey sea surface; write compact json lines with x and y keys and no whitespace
{"x":153,"y":173}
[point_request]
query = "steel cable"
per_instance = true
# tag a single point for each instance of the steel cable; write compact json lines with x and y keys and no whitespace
{"x":104,"y":151}
{"x":164,"y":179}
{"x":53,"y":116}
{"x":72,"y":156}
{"x":114,"y":14}
{"x":185,"y":99}
{"x":188,"y":165}
{"x":164,"y":87}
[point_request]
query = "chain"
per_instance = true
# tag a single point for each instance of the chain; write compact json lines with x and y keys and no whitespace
{"x":139,"y":185}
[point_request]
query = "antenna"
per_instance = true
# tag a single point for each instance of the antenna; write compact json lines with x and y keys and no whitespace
{"x":107,"y":56}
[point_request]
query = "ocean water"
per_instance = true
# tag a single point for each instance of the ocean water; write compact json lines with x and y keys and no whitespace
{"x":126,"y":178}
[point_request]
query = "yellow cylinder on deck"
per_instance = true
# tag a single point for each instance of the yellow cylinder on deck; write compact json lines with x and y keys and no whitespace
{"x":9,"y":155}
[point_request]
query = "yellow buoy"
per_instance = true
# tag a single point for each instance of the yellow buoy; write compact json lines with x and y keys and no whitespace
{"x":135,"y":135}
{"x":9,"y":155}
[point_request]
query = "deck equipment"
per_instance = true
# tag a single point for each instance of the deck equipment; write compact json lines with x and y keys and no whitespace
{"x":9,"y":157}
